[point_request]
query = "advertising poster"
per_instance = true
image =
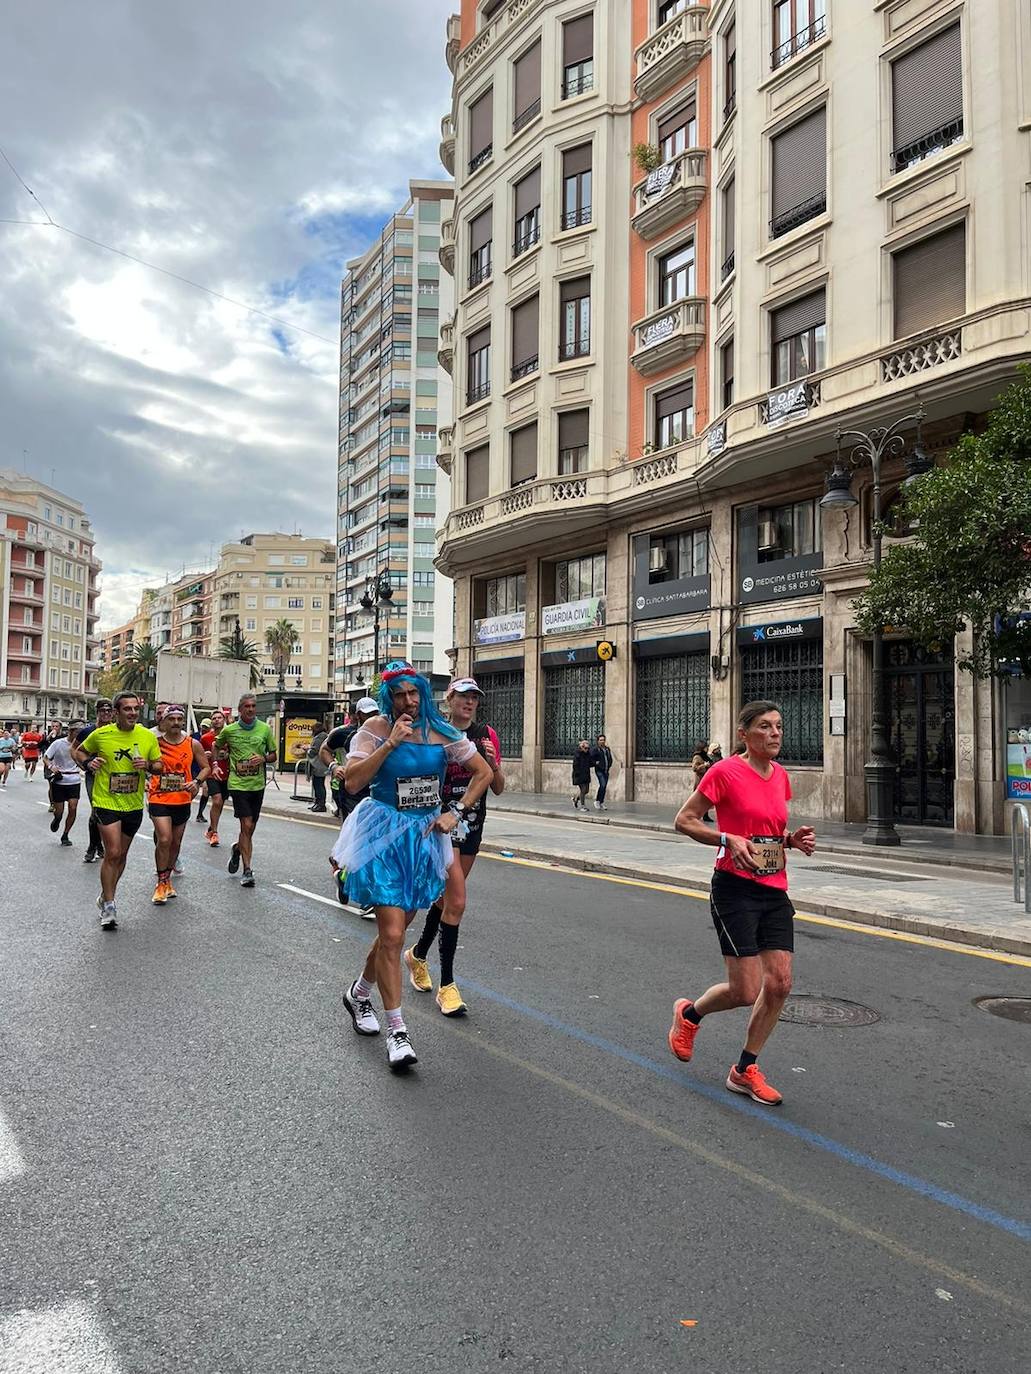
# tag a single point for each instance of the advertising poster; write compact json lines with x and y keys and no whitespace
{"x":299,"y":731}
{"x":571,"y":616}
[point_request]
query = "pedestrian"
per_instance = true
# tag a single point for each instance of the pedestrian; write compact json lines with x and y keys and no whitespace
{"x":749,"y":900}
{"x":396,"y":844}
{"x":67,"y":782}
{"x":249,"y":746}
{"x":705,"y":755}
{"x":318,"y":770}
{"x":581,"y":774}
{"x":105,"y":715}
{"x":31,"y":742}
{"x":333,"y":753}
{"x":8,"y":746}
{"x":601,"y":762}
{"x":463,"y":698}
{"x":217,"y":785}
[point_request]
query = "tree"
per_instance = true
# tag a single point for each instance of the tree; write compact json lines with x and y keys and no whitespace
{"x":280,"y":639}
{"x":109,"y":682}
{"x":242,"y":650}
{"x":969,"y":560}
{"x":139,"y":672}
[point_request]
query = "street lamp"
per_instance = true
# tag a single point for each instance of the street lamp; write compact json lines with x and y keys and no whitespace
{"x":872,"y":449}
{"x":378,"y":593}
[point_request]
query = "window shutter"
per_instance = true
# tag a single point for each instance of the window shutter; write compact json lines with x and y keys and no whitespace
{"x":528,"y":79}
{"x":800,"y":315}
{"x":576,"y":160}
{"x":524,"y":331}
{"x":572,"y":429}
{"x":528,"y":193}
{"x":927,"y":88}
{"x":578,"y":40}
{"x":800,"y":163}
{"x":728,"y":363}
{"x":477,"y":474}
{"x":672,"y":402}
{"x":479,"y":340}
{"x":930,"y":282}
{"x":481,"y":124}
{"x":676,"y":121}
{"x":728,"y":218}
{"x":730,"y":42}
{"x":574,"y":290}
{"x":524,"y":454}
{"x":480,"y":229}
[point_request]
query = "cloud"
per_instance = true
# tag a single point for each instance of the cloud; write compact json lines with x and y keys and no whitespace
{"x":253,"y":149}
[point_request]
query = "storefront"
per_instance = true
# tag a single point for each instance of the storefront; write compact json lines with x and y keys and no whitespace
{"x":782,"y":661}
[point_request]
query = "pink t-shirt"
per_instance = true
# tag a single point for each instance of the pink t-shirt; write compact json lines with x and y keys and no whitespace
{"x":748,"y":805}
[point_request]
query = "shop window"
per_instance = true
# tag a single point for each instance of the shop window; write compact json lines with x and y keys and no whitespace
{"x":574,"y":707}
{"x":503,"y":709}
{"x":791,"y":674}
{"x":671,"y":707}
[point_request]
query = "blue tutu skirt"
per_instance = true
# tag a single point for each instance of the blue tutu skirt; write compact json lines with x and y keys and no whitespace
{"x":390,"y":859}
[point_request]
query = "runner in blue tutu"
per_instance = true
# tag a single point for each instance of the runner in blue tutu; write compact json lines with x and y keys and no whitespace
{"x":395,"y":845}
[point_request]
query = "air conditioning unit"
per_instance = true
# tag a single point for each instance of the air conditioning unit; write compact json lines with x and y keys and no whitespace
{"x":768,"y":537}
{"x":658,"y":558}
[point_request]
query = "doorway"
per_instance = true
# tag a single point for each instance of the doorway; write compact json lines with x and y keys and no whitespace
{"x":922,"y":718}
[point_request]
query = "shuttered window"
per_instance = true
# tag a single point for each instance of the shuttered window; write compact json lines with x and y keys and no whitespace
{"x":678,"y":131}
{"x":727,"y":369}
{"x":798,"y":334}
{"x":477,"y":474}
{"x":799,"y":181}
{"x":576,"y":186}
{"x":480,"y":242}
{"x":524,"y":338}
{"x":478,"y":370}
{"x":729,"y":229}
{"x":575,"y":305}
{"x":481,"y":129}
{"x":674,"y":415}
{"x":930,"y":282}
{"x":676,"y":274}
{"x":527,"y":85}
{"x":573,"y":431}
{"x":524,"y":454}
{"x":927,"y":98}
{"x":527,"y":212}
{"x":578,"y":56}
{"x":730,"y":71}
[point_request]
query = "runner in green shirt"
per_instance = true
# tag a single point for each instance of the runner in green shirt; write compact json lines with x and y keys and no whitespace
{"x":248,"y":744}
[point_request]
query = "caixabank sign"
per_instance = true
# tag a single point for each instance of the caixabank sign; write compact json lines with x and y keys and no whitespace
{"x":779,"y":632}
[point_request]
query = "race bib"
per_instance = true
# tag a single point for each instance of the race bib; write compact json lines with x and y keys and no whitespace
{"x":247,"y":768}
{"x":768,"y":852}
{"x":418,"y":794}
{"x":172,"y":782}
{"x":123,"y":784}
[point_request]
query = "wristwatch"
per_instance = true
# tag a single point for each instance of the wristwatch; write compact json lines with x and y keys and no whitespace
{"x":723,"y":839}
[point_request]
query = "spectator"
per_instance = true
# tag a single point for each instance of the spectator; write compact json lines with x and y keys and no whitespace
{"x":601,"y":762}
{"x":582,"y":774}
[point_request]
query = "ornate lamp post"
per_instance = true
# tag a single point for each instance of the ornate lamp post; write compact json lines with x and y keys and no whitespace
{"x":870,"y":449}
{"x":378,"y":594}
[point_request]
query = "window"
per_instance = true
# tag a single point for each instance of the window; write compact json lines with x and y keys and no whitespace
{"x":790,"y":673}
{"x":250,"y":623}
{"x":276,"y":559}
{"x":578,"y":56}
{"x":727,"y":373}
{"x":504,"y":706}
{"x":574,"y":707}
{"x":676,"y":274}
{"x":295,"y":603}
{"x":799,"y":178}
{"x":576,"y":186}
{"x":670,"y":9}
{"x":678,"y":132}
{"x":527,"y":86}
{"x":674,"y":415}
{"x":505,"y":595}
{"x":730,"y":71}
{"x":527,"y":212}
{"x":477,"y":482}
{"x":66,"y":624}
{"x":273,"y":603}
{"x":790,"y":531}
{"x":480,"y":241}
{"x":478,"y":368}
{"x":523,"y":455}
{"x":481,"y":130}
{"x":672,"y":557}
{"x":573,"y":440}
{"x":799,"y":338}
{"x":927,"y":99}
{"x":930,"y":281}
{"x":251,"y":602}
{"x":576,"y":579}
{"x":796,"y":24}
{"x":729,"y":229}
{"x":425,"y":550}
{"x":525,"y":338}
{"x":425,"y":491}
{"x":672,"y":708}
{"x":316,"y":605}
{"x":299,"y":560}
{"x":575,"y":302}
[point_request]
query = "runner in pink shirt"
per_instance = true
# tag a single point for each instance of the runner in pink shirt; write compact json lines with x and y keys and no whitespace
{"x":751,"y":910}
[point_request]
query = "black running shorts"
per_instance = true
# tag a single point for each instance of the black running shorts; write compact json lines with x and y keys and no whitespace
{"x":179,"y":814}
{"x":217,"y":787}
{"x":247,"y":804}
{"x":64,"y":792}
{"x":130,"y":821}
{"x":750,"y":916}
{"x":470,"y":846}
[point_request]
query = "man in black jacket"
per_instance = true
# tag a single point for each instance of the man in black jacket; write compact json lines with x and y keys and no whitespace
{"x":601,"y":762}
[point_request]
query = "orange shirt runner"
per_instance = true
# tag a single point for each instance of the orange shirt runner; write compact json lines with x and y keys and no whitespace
{"x":170,"y":788}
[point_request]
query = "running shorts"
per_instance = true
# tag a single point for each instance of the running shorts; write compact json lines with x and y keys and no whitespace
{"x":130,"y":821}
{"x":179,"y":815}
{"x":247,"y":804}
{"x":217,"y":787}
{"x":470,"y":846}
{"x":66,"y":791}
{"x":750,"y":916}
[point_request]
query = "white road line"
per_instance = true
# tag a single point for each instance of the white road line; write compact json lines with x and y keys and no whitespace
{"x":67,"y":1339}
{"x":315,"y":896}
{"x":12,"y":1162}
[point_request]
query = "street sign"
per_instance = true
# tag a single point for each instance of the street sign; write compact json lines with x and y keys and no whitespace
{"x":606,"y":650}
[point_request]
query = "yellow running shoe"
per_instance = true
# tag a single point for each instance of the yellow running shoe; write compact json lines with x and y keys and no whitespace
{"x":160,"y":896}
{"x":449,"y":1000}
{"x":418,"y":971}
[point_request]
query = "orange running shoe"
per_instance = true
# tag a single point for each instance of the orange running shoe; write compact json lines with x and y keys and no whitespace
{"x":160,"y":896}
{"x":170,"y":890}
{"x":752,"y":1084}
{"x":213,"y":838}
{"x":682,"y":1032}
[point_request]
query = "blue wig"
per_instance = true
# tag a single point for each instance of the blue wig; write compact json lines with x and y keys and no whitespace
{"x":398,"y":671}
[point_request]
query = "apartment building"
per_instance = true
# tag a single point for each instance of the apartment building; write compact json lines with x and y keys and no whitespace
{"x":265,"y":578}
{"x":394,"y":395}
{"x":116,"y":645}
{"x":49,"y":648}
{"x":860,"y":255}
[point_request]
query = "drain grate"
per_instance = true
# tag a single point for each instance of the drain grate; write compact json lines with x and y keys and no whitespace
{"x":1009,"y":1008}
{"x":807,"y":1009}
{"x":862,"y":873}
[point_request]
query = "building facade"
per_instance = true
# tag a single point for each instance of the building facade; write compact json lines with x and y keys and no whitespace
{"x":116,"y":645}
{"x":864,"y":231}
{"x":49,"y":647}
{"x":394,"y":396}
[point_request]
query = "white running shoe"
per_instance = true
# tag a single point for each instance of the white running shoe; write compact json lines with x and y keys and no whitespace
{"x":367,"y":913}
{"x":361,"y":1012}
{"x":400,"y":1054}
{"x":108,"y":914}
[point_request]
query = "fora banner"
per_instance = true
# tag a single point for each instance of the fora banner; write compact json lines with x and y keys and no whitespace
{"x":570,"y":616}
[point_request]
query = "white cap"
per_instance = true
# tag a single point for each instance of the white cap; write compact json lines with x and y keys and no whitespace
{"x":366,"y":705}
{"x":463,"y":685}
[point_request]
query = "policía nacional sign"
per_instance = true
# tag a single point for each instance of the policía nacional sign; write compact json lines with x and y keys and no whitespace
{"x":569,"y":616}
{"x":501,"y":629}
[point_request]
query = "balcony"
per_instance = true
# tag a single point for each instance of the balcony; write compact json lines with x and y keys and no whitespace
{"x":24,"y":655}
{"x":446,"y":351}
{"x":670,"y":193}
{"x":453,"y":41}
{"x":503,"y":17}
{"x":445,"y":448}
{"x":552,"y":507}
{"x":672,"y":52}
{"x":798,"y":42}
{"x":27,"y":598}
{"x":447,"y":144}
{"x":669,"y":335}
{"x":446,"y":251}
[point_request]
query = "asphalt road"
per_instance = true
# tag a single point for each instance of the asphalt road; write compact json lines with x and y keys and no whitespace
{"x":203,"y":1169}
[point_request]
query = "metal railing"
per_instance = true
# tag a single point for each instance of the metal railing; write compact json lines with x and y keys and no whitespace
{"x":305,"y":765}
{"x":1020,"y":837}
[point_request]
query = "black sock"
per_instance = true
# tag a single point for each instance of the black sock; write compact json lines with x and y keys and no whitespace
{"x":429,"y":930}
{"x":691,"y":1015}
{"x":746,"y":1061}
{"x":448,"y":944}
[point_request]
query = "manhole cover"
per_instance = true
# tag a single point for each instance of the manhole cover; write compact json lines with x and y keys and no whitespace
{"x":862,"y":873}
{"x":805,"y":1009}
{"x":1009,"y":1008}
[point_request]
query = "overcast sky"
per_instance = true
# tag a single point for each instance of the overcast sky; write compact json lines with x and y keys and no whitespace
{"x":250,"y":147}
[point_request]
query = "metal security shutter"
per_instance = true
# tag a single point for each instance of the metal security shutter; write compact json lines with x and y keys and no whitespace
{"x":528,"y":79}
{"x":572,"y":429}
{"x":672,"y":402}
{"x":528,"y":193}
{"x":800,"y":315}
{"x":481,"y":124}
{"x":930,"y":282}
{"x":524,"y":454}
{"x":800,"y":163}
{"x":676,"y":121}
{"x":574,"y":290}
{"x":578,"y":40}
{"x":576,"y":160}
{"x":524,"y":331}
{"x":477,"y":474}
{"x":481,"y":229}
{"x":927,"y":88}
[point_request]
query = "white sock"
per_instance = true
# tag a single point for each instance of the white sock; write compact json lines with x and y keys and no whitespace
{"x":362,"y":989}
{"x":395,"y":1019}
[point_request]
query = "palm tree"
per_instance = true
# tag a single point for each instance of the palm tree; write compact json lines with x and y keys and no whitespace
{"x":140,"y":670}
{"x":280,"y":640}
{"x":242,"y":650}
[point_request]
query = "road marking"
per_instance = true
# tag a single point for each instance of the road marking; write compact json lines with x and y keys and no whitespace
{"x":66,"y":1339}
{"x":12,"y":1162}
{"x":315,"y":896}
